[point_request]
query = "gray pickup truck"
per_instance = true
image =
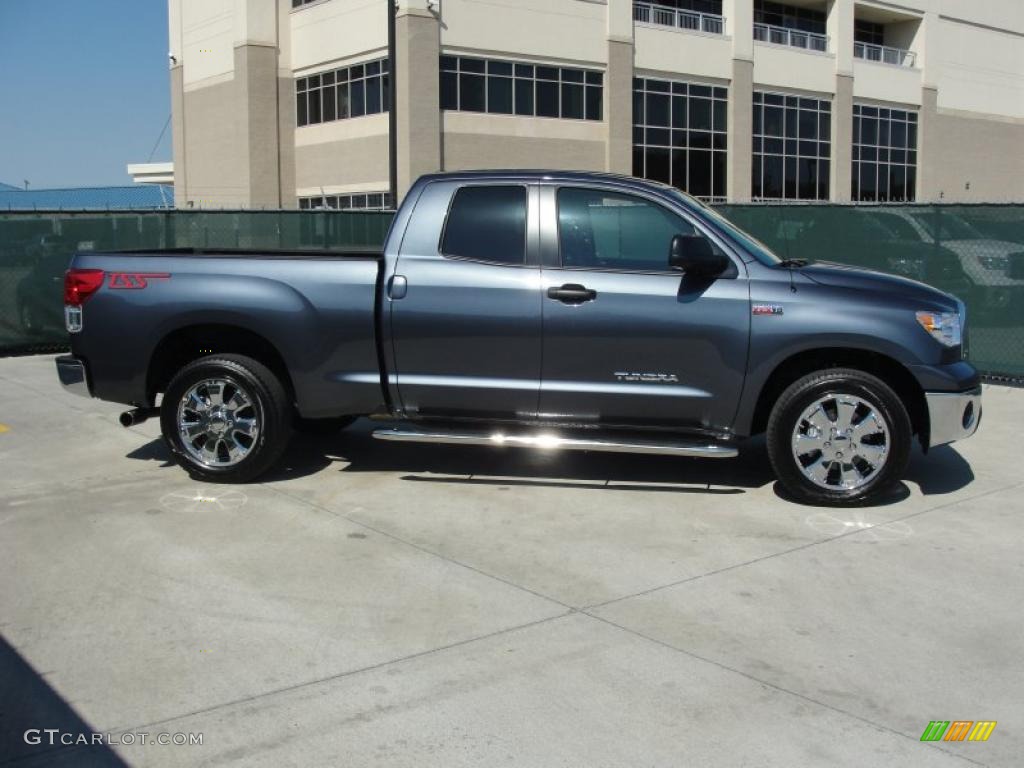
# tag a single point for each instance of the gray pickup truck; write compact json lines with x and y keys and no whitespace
{"x":531,"y":309}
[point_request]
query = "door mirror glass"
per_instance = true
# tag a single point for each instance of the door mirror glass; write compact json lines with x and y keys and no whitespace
{"x":693,"y":255}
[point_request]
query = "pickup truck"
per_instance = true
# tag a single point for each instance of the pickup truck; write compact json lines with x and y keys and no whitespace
{"x":545,"y":310}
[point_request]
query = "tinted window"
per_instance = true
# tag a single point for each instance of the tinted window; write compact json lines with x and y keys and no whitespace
{"x":605,"y":230}
{"x":487,"y":224}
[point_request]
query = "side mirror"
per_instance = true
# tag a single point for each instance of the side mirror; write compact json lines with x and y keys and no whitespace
{"x":693,"y":255}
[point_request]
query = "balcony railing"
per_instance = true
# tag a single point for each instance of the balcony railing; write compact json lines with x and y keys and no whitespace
{"x":884,"y":54}
{"x":769,"y":33}
{"x":666,"y":16}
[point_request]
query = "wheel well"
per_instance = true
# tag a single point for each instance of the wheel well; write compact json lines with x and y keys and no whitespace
{"x":181,"y":347}
{"x":888,"y":370}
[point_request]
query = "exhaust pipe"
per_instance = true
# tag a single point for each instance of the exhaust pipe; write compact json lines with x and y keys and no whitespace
{"x":136,"y":416}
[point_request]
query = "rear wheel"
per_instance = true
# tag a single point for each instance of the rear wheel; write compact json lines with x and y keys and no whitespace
{"x":838,"y":437}
{"x":225,"y":418}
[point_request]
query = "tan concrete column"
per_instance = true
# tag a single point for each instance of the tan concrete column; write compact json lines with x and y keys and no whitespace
{"x":257,"y":81}
{"x":739,"y":25}
{"x":285,"y":108}
{"x":418,"y":98}
{"x":840,"y":42}
{"x":839,"y":27}
{"x":841,"y":166}
{"x":928,"y":185}
{"x":740,"y":123}
{"x":618,"y":107}
{"x":178,"y":135}
{"x":618,"y":88}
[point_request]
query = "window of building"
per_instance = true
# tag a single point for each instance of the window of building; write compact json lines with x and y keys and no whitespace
{"x":679,"y":135}
{"x":487,"y":223}
{"x":868,"y":32}
{"x":512,"y":88}
{"x":789,"y":16}
{"x":300,"y":3}
{"x":361,"y":89}
{"x":370,"y":201}
{"x":884,"y":154}
{"x":607,"y":230}
{"x":791,"y":147}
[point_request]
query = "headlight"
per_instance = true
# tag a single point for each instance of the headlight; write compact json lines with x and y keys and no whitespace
{"x":944,"y":327}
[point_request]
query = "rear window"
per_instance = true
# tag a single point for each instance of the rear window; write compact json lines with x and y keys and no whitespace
{"x":487,"y":223}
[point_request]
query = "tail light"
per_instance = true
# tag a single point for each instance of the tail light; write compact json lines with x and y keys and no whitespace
{"x":79,"y":285}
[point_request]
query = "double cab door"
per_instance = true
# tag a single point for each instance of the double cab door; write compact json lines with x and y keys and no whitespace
{"x":555,"y":303}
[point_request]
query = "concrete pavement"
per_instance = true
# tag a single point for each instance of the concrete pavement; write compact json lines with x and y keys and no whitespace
{"x":384,"y":604}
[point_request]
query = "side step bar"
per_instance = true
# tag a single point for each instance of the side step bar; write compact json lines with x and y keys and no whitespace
{"x":664,"y":447}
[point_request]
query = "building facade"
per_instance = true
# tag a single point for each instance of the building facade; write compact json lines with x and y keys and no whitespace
{"x":284,"y":103}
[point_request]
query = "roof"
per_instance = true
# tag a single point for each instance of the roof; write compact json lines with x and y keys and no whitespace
{"x":619,"y":179}
{"x":533,"y":173}
{"x":80,"y":198}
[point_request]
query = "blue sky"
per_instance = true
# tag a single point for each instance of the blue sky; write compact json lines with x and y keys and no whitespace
{"x":84,"y":90}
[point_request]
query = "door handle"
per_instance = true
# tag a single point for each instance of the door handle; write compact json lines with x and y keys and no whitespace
{"x":572,"y":293}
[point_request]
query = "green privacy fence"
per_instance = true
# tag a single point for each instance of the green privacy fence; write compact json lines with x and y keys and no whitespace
{"x":973,"y":251}
{"x":35,"y":248}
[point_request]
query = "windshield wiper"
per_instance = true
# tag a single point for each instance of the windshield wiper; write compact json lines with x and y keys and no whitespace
{"x":793,"y":263}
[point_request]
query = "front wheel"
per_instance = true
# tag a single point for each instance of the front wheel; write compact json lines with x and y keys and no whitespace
{"x":838,"y":437}
{"x":225,"y":418}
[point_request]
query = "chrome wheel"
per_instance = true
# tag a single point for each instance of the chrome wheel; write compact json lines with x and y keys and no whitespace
{"x":218,"y":422}
{"x":841,"y":442}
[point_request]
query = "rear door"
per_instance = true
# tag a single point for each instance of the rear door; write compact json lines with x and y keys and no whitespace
{"x":466,"y":317}
{"x":627,"y":340}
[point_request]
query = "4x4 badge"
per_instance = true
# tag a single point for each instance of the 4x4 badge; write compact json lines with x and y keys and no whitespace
{"x":766,"y":309}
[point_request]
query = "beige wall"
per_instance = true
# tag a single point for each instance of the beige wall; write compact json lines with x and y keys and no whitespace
{"x":233,"y":101}
{"x":973,"y":159}
{"x":214,"y":161}
{"x":560,"y":30}
{"x":354,"y":164}
{"x":473,"y":140}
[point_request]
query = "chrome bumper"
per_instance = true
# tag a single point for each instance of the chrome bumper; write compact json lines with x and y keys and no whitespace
{"x":953,"y":415}
{"x":72,"y":375}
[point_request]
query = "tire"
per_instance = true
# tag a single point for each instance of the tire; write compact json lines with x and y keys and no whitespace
{"x":323,"y":426}
{"x":838,"y":437}
{"x":234,"y":441}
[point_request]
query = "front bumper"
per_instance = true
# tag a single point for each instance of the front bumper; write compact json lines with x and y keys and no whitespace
{"x":73,"y":376}
{"x":952,"y":415}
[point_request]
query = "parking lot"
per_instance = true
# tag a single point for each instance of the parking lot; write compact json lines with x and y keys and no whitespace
{"x":402,"y":605}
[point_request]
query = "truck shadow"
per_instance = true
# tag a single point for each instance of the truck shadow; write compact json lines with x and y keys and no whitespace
{"x":28,"y":704}
{"x":942,"y":471}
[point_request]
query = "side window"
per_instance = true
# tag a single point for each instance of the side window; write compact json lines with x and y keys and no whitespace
{"x":607,"y":230}
{"x":487,"y":223}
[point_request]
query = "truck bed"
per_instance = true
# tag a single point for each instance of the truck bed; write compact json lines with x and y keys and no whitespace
{"x":317,"y":308}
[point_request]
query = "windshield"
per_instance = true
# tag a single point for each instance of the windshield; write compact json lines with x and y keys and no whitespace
{"x":753,"y":246}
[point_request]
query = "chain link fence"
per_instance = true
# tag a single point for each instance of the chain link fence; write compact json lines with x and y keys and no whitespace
{"x":973,"y":251}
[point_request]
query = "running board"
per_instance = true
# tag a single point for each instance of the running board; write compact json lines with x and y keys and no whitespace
{"x":663,"y":447}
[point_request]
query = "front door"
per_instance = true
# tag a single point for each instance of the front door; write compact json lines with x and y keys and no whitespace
{"x":628,"y":341}
{"x":466,"y":322}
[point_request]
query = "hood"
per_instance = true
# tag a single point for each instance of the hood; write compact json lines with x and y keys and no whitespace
{"x":855,"y":278}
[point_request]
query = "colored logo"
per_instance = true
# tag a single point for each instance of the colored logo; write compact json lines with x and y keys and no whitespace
{"x":135,"y":280}
{"x":958,"y":730}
